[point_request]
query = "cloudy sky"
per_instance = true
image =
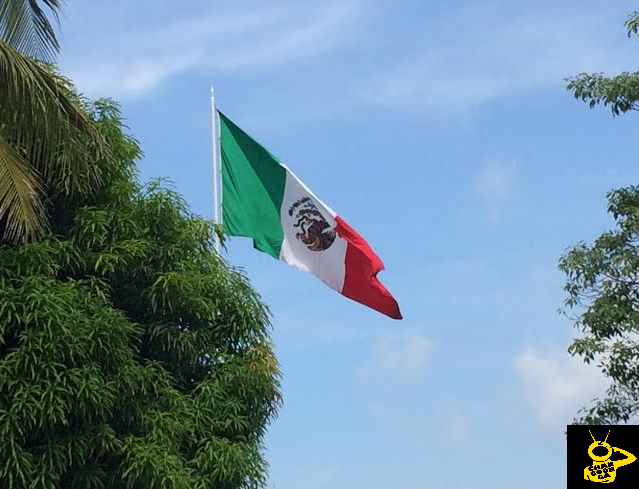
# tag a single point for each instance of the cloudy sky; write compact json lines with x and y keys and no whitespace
{"x":440,"y":130}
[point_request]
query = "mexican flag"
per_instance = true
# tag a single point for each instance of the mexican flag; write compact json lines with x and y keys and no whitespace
{"x":262,"y":199}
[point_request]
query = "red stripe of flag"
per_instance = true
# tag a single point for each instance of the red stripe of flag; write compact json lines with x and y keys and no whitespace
{"x":362,"y":266}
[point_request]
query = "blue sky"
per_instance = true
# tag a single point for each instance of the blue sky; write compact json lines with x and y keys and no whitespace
{"x":442,"y":132}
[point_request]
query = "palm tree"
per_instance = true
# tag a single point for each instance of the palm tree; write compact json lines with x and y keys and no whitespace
{"x":43,"y":127}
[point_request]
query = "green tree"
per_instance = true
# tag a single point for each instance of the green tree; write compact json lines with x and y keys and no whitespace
{"x":620,"y":93}
{"x":41,"y":124}
{"x":603,"y":278}
{"x":131,"y":355}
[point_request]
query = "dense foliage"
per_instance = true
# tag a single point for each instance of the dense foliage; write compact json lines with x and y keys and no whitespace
{"x":131,"y":354}
{"x":603,"y":287}
{"x":603,"y":278}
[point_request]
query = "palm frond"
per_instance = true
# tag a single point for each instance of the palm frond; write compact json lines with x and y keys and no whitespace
{"x":21,"y":208}
{"x":38,"y":93}
{"x":44,"y":121}
{"x":25,"y":26}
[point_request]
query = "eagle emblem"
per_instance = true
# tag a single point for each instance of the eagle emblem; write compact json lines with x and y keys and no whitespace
{"x":315,"y":232}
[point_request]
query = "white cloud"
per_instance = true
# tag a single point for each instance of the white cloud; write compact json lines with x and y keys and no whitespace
{"x":487,"y":53}
{"x":557,"y":385}
{"x":399,"y":356}
{"x":225,"y":40}
{"x":495,"y":182}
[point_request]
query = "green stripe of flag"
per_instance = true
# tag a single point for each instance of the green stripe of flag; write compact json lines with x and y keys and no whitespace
{"x":253,"y":183}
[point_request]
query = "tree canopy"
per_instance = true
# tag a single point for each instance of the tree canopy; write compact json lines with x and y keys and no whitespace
{"x":131,"y":355}
{"x":603,"y":288}
{"x":603,"y":277}
{"x":620,"y":92}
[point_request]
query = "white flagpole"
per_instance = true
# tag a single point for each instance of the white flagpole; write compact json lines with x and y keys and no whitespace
{"x":217,"y":167}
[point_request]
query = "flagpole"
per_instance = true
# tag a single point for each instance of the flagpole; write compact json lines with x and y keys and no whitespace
{"x":217,"y":167}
